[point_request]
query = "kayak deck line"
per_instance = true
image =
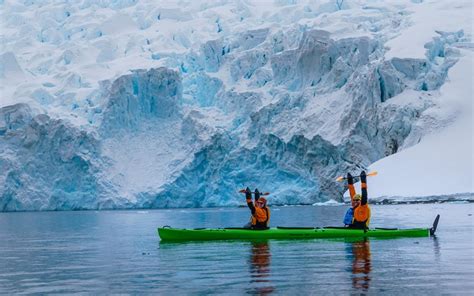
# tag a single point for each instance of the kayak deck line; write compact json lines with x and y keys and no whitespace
{"x":167,"y":233}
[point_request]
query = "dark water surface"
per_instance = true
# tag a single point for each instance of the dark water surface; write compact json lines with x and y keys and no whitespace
{"x":120,"y":252}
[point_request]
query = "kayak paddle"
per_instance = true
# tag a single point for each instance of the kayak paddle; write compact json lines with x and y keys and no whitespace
{"x":435,"y":225}
{"x":374,"y":173}
{"x":261,"y":193}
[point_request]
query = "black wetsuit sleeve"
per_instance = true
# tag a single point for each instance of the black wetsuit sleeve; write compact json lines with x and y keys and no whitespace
{"x":251,"y":206}
{"x":364,"y":194}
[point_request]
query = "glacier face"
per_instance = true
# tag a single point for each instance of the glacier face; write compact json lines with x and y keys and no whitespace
{"x":142,"y":96}
{"x":285,"y":110}
{"x":48,"y":164}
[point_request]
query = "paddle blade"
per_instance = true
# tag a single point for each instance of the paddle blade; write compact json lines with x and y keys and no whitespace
{"x":265,"y":193}
{"x":339,"y":179}
{"x":435,"y":225}
{"x":374,"y":173}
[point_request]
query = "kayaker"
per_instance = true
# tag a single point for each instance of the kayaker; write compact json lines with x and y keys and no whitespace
{"x":358,"y":216}
{"x":260,"y":212}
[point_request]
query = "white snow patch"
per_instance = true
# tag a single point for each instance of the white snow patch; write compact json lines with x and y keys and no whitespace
{"x":144,"y":161}
{"x":330,"y":202}
{"x":428,"y":17}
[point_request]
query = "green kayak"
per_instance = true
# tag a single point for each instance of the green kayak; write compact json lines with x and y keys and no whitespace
{"x":167,"y":233}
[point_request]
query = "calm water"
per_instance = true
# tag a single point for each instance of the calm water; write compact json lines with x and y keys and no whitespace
{"x":120,"y":252}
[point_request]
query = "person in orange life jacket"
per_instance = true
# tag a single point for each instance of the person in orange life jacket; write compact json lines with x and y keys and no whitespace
{"x":260,"y":212}
{"x":349,"y":216}
{"x":358,"y":216}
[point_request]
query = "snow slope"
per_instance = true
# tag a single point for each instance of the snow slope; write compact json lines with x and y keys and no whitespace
{"x":442,"y":163}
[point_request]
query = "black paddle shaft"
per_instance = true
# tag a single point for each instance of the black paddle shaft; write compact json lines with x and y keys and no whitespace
{"x":435,"y":225}
{"x":345,"y":178}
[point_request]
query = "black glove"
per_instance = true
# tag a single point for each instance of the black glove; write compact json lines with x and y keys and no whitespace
{"x":350,"y":180}
{"x":257,"y":194}
{"x":363,"y":177}
{"x":248,"y":193}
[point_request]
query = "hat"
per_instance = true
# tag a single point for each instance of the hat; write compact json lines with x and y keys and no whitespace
{"x":262,"y":199}
{"x":357,"y":197}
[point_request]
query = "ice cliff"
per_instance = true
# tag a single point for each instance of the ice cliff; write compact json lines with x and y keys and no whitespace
{"x":285,"y":108}
{"x":47,"y":164}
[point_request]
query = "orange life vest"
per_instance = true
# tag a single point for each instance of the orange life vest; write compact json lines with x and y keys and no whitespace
{"x":261,"y":217}
{"x":362,"y":215}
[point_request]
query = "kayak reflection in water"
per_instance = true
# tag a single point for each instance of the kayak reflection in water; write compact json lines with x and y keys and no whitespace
{"x":260,"y":267}
{"x":361,"y":265}
{"x":260,"y":212}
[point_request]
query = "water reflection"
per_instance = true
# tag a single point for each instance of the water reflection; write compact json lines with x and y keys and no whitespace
{"x":259,"y":262}
{"x":437,"y":248}
{"x":361,"y":264}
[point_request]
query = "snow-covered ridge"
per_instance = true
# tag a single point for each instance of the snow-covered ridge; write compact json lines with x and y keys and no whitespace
{"x":151,"y":106}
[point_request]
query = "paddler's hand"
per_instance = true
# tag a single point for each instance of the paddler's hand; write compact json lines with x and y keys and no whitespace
{"x":248,"y":193}
{"x":350,"y":180}
{"x":363,"y":177}
{"x":257,"y":194}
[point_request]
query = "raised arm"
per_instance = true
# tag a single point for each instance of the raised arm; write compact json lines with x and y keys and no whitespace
{"x":363,"y":186}
{"x":256,"y":194}
{"x":248,"y":197}
{"x":350,"y":184}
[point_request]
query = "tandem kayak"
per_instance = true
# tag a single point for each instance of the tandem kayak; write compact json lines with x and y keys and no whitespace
{"x":167,"y":233}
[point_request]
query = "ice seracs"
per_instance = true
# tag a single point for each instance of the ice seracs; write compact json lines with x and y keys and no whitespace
{"x":129,"y":104}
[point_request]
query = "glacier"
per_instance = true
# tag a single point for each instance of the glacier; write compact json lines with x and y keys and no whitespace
{"x":133,"y":112}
